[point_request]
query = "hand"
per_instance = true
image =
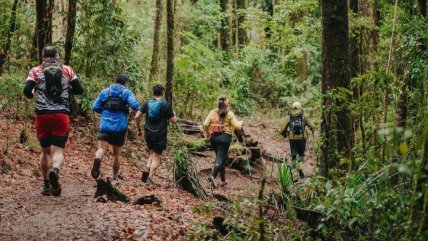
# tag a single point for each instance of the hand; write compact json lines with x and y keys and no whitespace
{"x":139,"y":133}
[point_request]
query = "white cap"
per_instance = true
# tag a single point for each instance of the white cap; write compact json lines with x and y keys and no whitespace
{"x":297,"y":105}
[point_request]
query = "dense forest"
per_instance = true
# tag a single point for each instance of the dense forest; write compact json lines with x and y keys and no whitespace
{"x":358,"y":67}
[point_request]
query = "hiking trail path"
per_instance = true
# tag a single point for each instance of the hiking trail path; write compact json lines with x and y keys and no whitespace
{"x":76,"y":215}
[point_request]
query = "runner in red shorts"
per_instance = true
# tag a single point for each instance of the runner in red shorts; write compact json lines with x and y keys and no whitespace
{"x":51,"y":83}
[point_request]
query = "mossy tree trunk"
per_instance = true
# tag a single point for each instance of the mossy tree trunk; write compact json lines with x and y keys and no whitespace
{"x":336,"y":122}
{"x":242,"y":32}
{"x":154,"y":70}
{"x":224,"y":31}
{"x":71,"y":28}
{"x":169,"y":49}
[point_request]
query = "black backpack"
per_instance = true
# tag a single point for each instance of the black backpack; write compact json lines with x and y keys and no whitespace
{"x":53,"y":76}
{"x":115,"y":103}
{"x":297,"y":124}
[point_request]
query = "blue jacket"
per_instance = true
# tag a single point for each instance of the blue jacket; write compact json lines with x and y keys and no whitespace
{"x":114,"y":121}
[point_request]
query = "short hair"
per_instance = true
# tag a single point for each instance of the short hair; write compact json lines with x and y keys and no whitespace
{"x":122,"y":79}
{"x":49,"y":52}
{"x":158,"y":90}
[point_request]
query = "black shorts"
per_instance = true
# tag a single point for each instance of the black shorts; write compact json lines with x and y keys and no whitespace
{"x":156,"y":143}
{"x":113,"y":138}
{"x":58,"y":141}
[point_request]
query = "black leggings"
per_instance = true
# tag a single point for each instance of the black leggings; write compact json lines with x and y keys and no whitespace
{"x":221,"y":145}
{"x":297,"y":148}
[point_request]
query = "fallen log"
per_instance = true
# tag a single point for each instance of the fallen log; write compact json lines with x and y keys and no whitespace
{"x":112,"y":193}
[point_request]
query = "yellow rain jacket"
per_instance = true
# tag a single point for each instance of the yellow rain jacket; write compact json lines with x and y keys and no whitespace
{"x":230,"y":123}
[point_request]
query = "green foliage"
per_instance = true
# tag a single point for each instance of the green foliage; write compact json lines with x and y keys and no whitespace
{"x":105,"y":43}
{"x":285,"y":178}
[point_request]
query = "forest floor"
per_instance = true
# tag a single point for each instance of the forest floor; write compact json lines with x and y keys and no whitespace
{"x":76,"y":215}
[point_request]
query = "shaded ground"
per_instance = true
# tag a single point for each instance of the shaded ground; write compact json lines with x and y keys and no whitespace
{"x":76,"y":215}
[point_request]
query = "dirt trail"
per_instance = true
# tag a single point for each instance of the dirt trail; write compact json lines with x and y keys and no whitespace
{"x":76,"y":215}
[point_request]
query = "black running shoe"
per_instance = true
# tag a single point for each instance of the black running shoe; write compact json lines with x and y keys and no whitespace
{"x":46,"y":188}
{"x":95,"y":172}
{"x":144,"y":176}
{"x":301,"y":174}
{"x":211,"y":181}
{"x":53,"y":180}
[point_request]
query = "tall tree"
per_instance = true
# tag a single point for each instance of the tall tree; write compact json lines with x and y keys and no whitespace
{"x":71,"y":27}
{"x":336,"y":124}
{"x":41,"y":27}
{"x":169,"y":49}
{"x":242,"y":32}
{"x":224,"y":31}
{"x":44,"y":11}
{"x":355,"y":66}
{"x":422,"y":6}
{"x":268,"y":6}
{"x":48,"y":21}
{"x":154,"y":70}
{"x":8,"y":36}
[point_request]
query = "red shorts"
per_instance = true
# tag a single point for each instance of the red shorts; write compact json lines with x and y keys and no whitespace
{"x":52,"y":129}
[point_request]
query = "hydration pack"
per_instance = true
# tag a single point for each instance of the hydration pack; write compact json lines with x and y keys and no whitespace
{"x":115,"y":103}
{"x":154,"y":107}
{"x":297,"y":124}
{"x":217,"y":124}
{"x":53,"y":76}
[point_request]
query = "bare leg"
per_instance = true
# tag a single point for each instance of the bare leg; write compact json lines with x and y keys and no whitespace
{"x":116,"y":163}
{"x":149,"y":161}
{"x":102,"y":149}
{"x":57,"y":157}
{"x":155,"y":161}
{"x":45,"y":158}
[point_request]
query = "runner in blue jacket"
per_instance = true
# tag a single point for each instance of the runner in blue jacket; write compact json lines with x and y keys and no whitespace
{"x":113,"y":104}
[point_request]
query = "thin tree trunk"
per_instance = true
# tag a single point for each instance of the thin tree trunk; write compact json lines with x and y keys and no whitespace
{"x":154,"y":70}
{"x":376,"y":21}
{"x":420,"y":210}
{"x":242,"y":32}
{"x":34,"y":44}
{"x":336,"y":124}
{"x":422,"y":6}
{"x":8,"y":36}
{"x":71,"y":27}
{"x":355,"y":63}
{"x":268,"y":7}
{"x":224,"y":31}
{"x":41,"y":31}
{"x":170,"y":50}
{"x":48,"y":21}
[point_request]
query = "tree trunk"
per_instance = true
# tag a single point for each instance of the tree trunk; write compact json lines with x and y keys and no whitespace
{"x":154,"y":70}
{"x":71,"y":27}
{"x":376,"y":21}
{"x":48,"y":21}
{"x":422,"y":6}
{"x":336,"y":124}
{"x":224,"y":31}
{"x":169,"y":49}
{"x":419,"y":217}
{"x":8,"y":36}
{"x":401,"y":111}
{"x":242,"y":32}
{"x":355,"y":66}
{"x":268,"y":7}
{"x":41,"y":27}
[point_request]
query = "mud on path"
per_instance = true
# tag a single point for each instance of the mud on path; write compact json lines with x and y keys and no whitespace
{"x":76,"y":215}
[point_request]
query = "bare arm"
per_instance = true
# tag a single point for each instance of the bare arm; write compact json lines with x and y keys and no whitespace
{"x":137,"y":120}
